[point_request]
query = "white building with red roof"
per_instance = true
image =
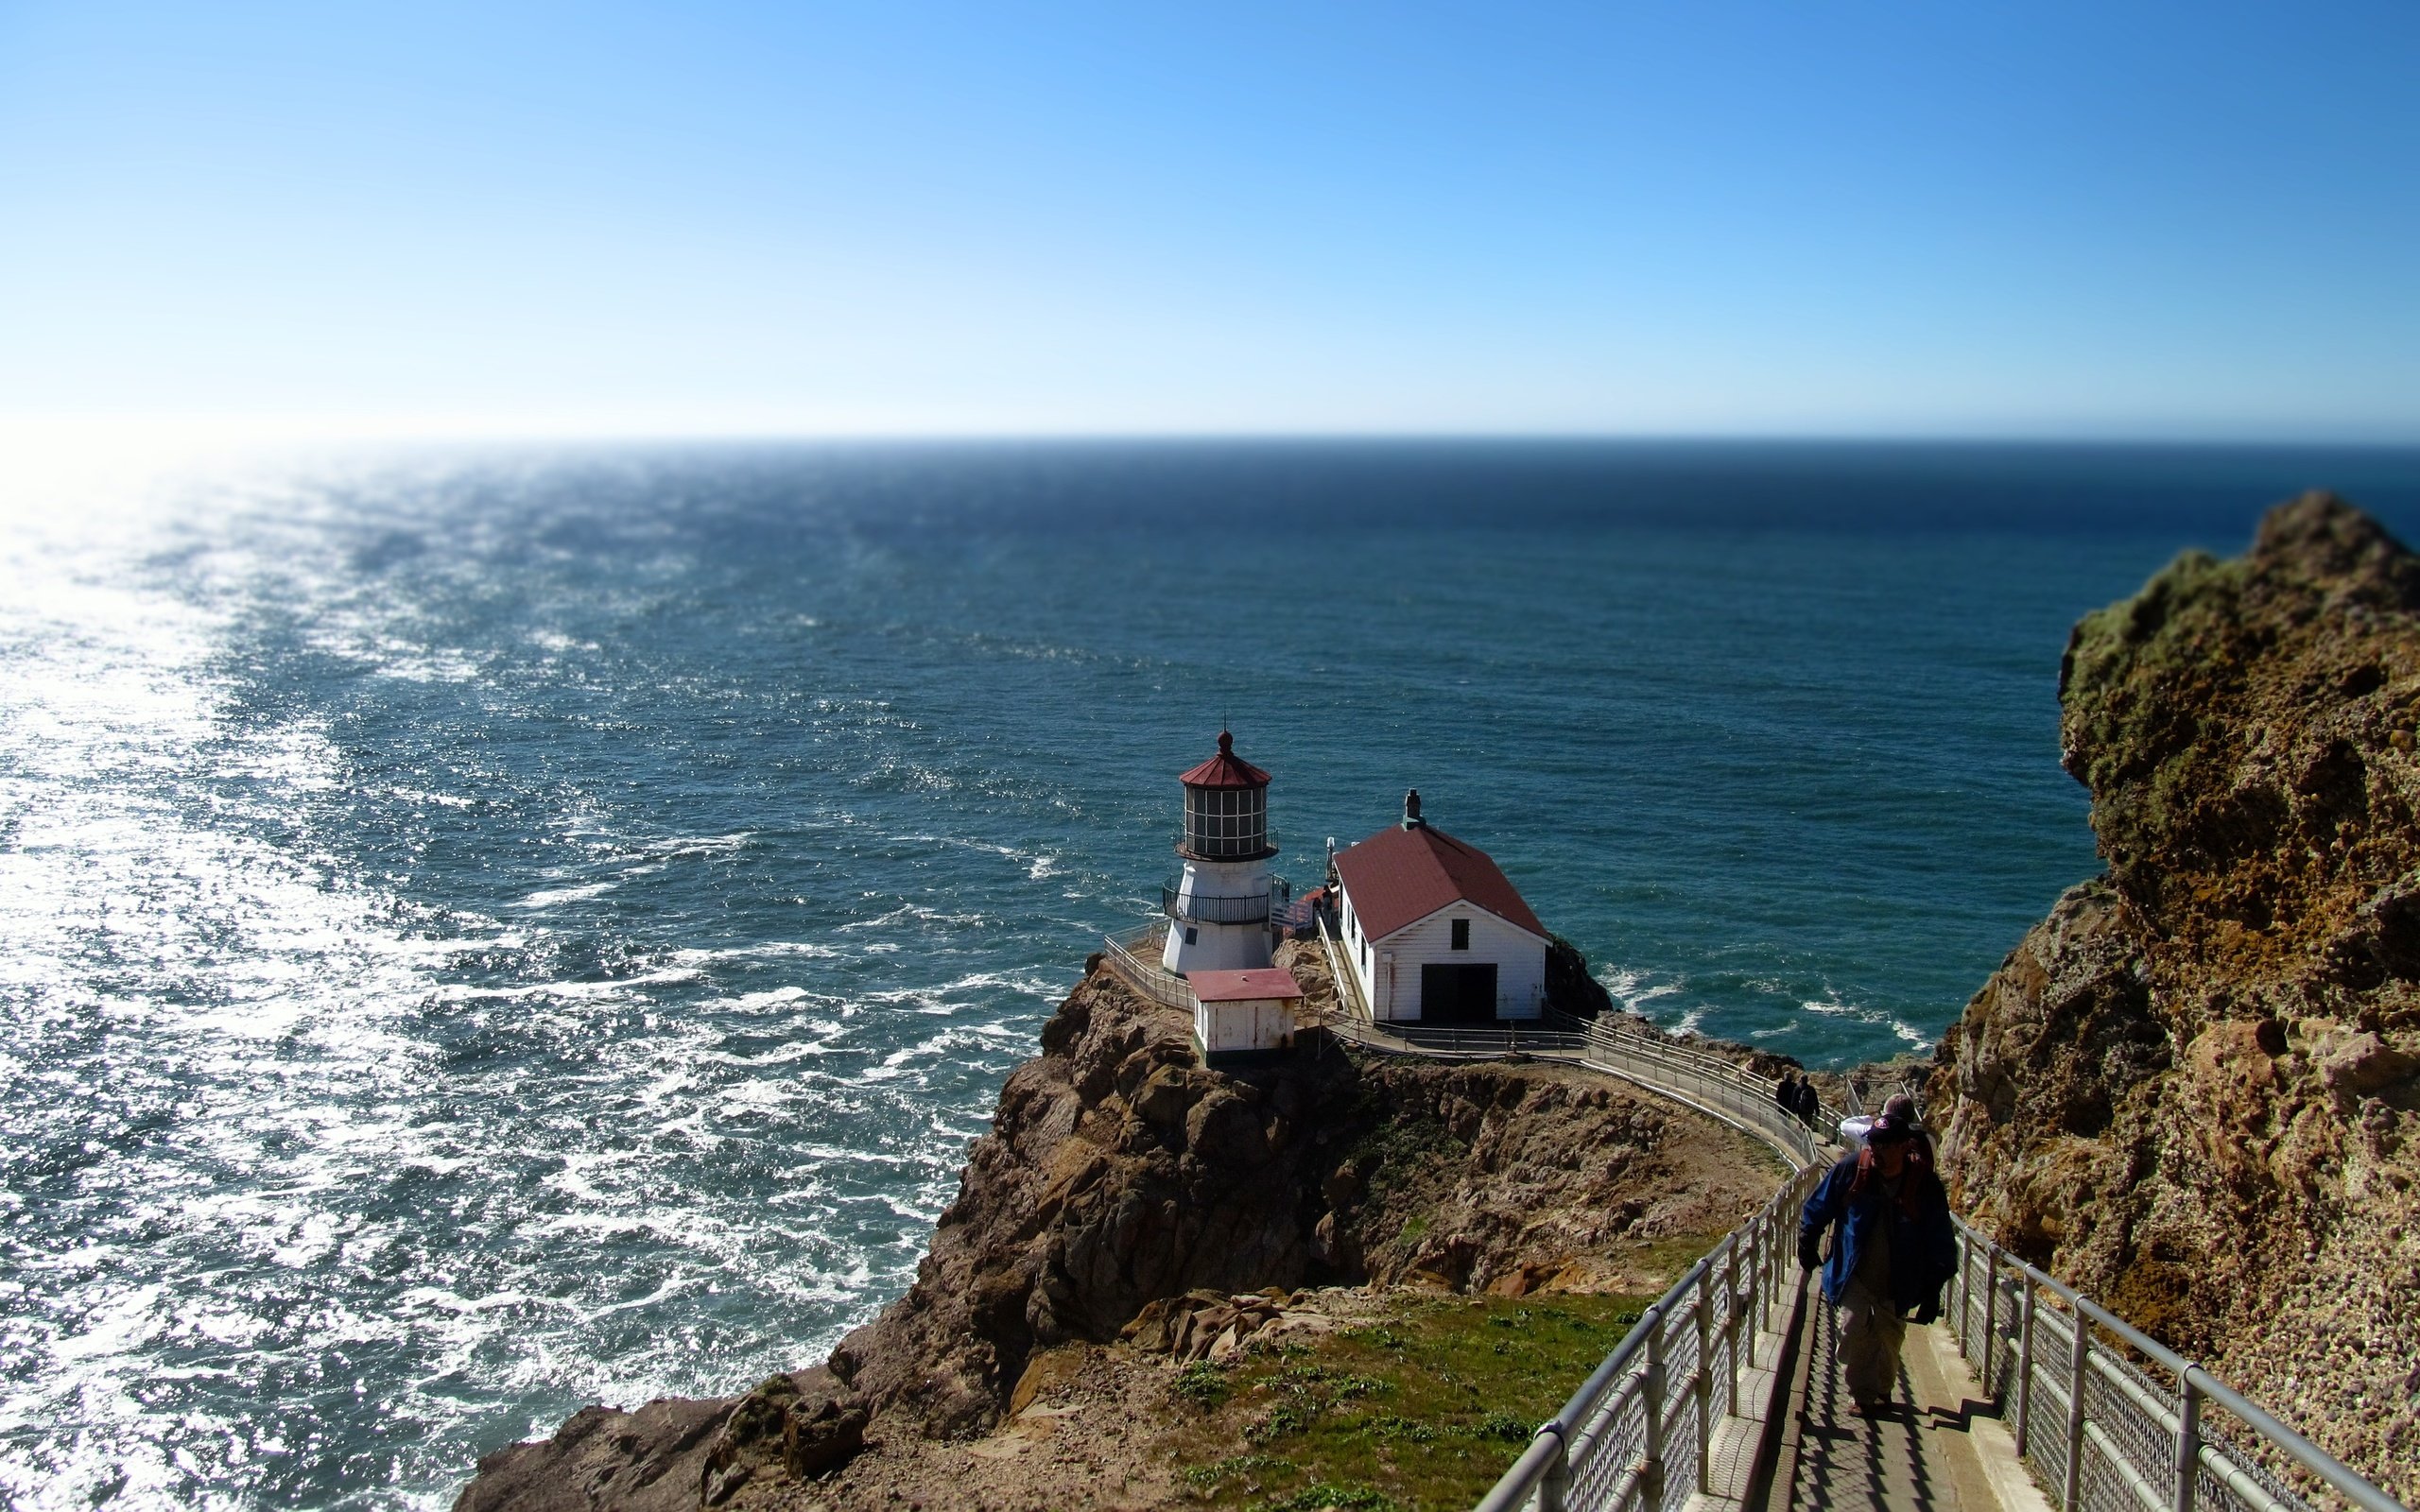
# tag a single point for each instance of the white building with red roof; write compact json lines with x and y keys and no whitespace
{"x":1433,"y":932}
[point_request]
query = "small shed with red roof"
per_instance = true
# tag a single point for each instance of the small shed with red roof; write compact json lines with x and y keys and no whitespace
{"x":1242,"y":1015}
{"x":1434,"y":932}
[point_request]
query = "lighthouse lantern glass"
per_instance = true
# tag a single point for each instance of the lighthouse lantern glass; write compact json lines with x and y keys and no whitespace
{"x":1226,"y":821}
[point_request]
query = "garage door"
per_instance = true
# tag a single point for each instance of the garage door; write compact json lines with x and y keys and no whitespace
{"x":1458,"y":995}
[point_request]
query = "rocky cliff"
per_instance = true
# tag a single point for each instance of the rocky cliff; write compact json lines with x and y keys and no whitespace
{"x":1119,"y":1171}
{"x":2190,"y":1090}
{"x":1122,"y":1174}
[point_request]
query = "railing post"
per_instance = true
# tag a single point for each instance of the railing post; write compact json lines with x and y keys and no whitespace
{"x":1701,"y":1386}
{"x":1731,"y":1328}
{"x":1961,"y":1290}
{"x":1991,"y":1317}
{"x":1556,"y":1483}
{"x":2079,"y":1363}
{"x":1756,"y":1276}
{"x":2024,"y":1366}
{"x":2189,"y":1440}
{"x":1782,"y":1251}
{"x":1650,"y":1469}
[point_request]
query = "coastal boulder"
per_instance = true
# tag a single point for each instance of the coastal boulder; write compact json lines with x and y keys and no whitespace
{"x":796,"y":1425}
{"x":604,"y":1459}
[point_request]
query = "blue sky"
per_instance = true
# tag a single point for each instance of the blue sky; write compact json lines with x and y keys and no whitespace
{"x":2197,"y":221}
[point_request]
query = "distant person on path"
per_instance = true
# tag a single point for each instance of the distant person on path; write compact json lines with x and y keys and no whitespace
{"x":1786,"y":1092}
{"x":1811,"y":1105}
{"x":1896,"y":1249}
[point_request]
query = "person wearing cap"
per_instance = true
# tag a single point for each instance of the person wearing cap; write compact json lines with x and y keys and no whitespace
{"x":1896,"y":1250}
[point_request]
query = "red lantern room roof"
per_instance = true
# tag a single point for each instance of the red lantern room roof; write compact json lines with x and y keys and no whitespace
{"x":1226,"y":770}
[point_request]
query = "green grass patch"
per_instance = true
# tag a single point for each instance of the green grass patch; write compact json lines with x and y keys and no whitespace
{"x":1399,"y":1147}
{"x":1202,"y":1383}
{"x":1326,"y":1494}
{"x":1238,"y":1468}
{"x":1418,"y":1412}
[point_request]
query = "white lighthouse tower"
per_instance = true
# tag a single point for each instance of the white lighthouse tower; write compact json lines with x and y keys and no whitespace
{"x":1218,"y":907}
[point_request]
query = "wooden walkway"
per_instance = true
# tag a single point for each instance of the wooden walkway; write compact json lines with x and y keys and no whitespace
{"x":1940,"y":1449}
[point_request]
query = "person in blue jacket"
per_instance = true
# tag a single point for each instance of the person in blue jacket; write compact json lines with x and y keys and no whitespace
{"x":1896,"y":1248}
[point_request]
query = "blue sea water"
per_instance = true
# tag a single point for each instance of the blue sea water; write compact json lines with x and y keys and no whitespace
{"x":486,"y":934}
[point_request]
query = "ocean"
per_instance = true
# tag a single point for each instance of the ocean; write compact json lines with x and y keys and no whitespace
{"x":483,"y":934}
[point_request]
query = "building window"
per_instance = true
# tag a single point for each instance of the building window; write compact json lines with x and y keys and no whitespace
{"x":1461,"y":933}
{"x":1192,"y":935}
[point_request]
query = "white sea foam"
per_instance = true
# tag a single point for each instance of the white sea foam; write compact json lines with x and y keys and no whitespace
{"x":1905,"y":1032}
{"x":551,"y":897}
{"x":766,"y":950}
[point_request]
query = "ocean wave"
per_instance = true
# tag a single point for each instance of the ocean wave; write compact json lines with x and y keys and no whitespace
{"x":1908,"y":1034}
{"x":760,"y":951}
{"x":570,"y":992}
{"x":582,"y":892}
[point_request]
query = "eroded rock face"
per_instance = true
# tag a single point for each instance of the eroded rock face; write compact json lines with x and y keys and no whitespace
{"x":791,"y":1427}
{"x":1119,"y":1172}
{"x":650,"y":1460}
{"x":2190,"y":1090}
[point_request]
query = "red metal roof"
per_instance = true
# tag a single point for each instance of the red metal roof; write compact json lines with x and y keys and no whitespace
{"x":1226,"y":770}
{"x":1397,"y":877}
{"x":1228,"y":986}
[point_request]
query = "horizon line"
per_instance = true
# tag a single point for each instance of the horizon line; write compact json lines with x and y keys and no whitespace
{"x":253,"y":430}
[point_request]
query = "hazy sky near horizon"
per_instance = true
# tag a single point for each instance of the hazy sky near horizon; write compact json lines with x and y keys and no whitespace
{"x":2194,"y":221}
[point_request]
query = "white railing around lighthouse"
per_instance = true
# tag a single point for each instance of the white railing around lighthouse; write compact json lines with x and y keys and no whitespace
{"x":1210,"y":908}
{"x":1136,"y":957}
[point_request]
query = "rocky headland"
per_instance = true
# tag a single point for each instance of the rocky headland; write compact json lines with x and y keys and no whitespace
{"x":2193,"y":1091}
{"x":1133,"y":1213}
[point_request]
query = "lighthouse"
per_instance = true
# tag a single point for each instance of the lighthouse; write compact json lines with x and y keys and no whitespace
{"x":1218,"y":908}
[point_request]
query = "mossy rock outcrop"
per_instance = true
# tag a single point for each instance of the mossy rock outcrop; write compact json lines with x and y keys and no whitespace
{"x":2191,"y":1089}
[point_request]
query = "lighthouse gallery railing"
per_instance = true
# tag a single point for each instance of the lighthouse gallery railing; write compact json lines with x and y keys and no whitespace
{"x":1203,"y":908}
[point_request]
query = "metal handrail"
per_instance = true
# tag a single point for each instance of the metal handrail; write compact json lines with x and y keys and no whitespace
{"x":1148,"y":977}
{"x":1699,"y":1077}
{"x":1348,"y":986}
{"x":1201,"y":909}
{"x":1703,"y":1080}
{"x":2198,"y":1468}
{"x":1636,"y":1426}
{"x":2131,"y":1412}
